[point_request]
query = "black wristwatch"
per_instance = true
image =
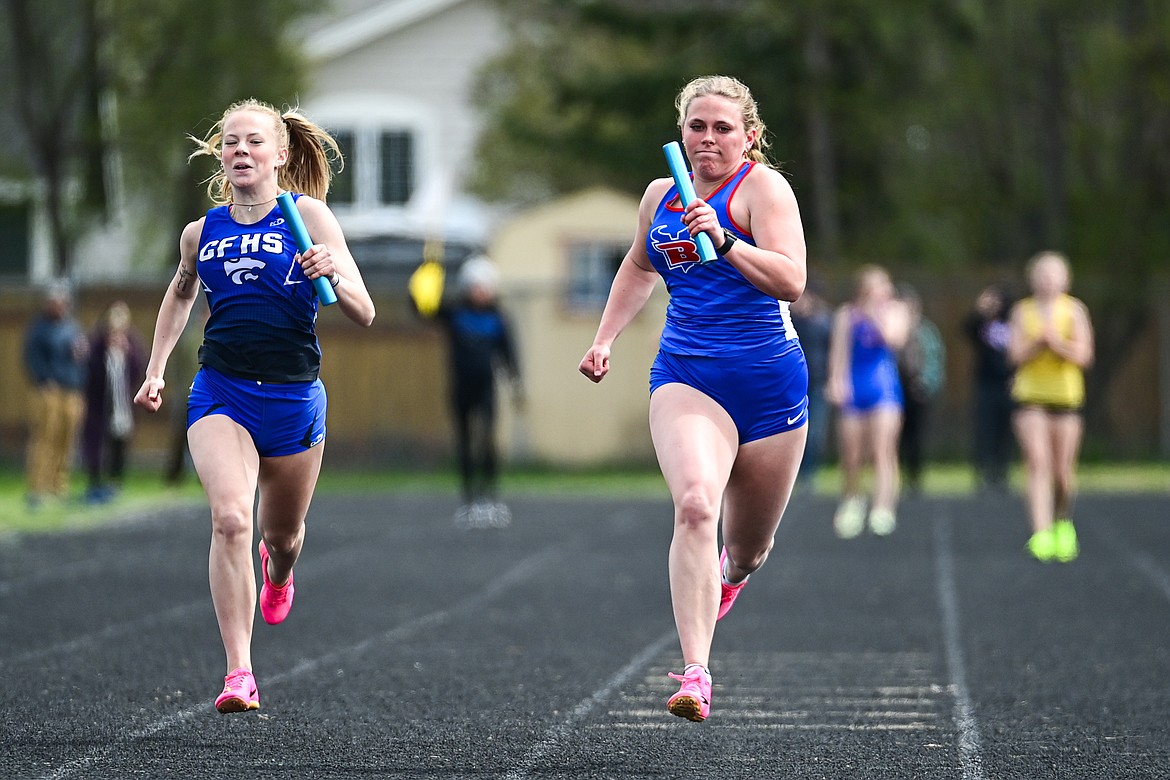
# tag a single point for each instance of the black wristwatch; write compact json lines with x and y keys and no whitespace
{"x":728,"y":243}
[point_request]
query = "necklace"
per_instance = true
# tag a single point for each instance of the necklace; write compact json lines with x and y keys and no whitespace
{"x":253,"y":205}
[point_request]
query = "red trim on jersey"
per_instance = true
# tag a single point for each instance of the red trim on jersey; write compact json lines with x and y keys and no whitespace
{"x":732,"y":195}
{"x":714,"y":192}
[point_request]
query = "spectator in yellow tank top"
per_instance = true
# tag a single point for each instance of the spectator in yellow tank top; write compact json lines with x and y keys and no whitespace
{"x":1051,"y":345}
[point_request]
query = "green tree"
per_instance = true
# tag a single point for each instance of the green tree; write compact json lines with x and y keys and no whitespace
{"x":185,"y":61}
{"x":55,"y":87}
{"x":95,"y":83}
{"x":959,"y":133}
{"x":926,"y":136}
{"x":1048,"y":131}
{"x":584,"y":95}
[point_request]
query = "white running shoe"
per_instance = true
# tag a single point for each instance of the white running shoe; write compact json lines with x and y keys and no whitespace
{"x":849,"y":520}
{"x":882,"y":522}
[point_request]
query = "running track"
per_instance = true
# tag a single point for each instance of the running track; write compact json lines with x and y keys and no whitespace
{"x":416,"y":650}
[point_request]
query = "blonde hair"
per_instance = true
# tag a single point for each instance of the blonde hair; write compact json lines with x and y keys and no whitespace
{"x":865,"y":274}
{"x":737,"y":92}
{"x":311,"y":149}
{"x":1047,"y":254}
{"x":1050,"y":255}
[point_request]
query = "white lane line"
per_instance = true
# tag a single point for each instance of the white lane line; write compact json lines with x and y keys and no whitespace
{"x":71,"y":569}
{"x":66,"y":572}
{"x":1140,"y":560}
{"x":554,"y":735}
{"x":970,"y":743}
{"x":810,"y":691}
{"x":729,"y":715}
{"x":527,"y":569}
{"x":83,"y":644}
{"x":919,"y":728}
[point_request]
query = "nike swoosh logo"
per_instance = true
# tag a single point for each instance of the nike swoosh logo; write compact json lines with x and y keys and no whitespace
{"x":792,"y":420}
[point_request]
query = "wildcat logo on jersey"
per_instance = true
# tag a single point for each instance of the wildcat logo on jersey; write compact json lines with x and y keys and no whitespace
{"x":243,"y":255}
{"x":242,"y":269}
{"x":678,"y":249}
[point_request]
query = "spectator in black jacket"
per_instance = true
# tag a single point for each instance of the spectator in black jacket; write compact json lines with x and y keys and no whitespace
{"x":480,"y":342}
{"x":987,"y":328}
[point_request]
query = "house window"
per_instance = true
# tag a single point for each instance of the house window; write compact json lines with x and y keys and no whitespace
{"x":397,"y":153}
{"x":379,"y":168}
{"x":591,"y":270}
{"x":341,"y":189}
{"x":14,"y":237}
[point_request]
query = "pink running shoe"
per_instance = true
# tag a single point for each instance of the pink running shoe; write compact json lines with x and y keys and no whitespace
{"x":727,"y":593}
{"x":274,"y":602}
{"x":239,"y":692}
{"x":693,"y":700}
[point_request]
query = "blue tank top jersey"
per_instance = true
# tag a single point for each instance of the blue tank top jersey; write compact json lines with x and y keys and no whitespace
{"x":713,"y":309}
{"x":262,"y":306}
{"x":873,"y":367}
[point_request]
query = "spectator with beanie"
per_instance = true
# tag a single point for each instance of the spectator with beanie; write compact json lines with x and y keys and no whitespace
{"x":480,"y":342}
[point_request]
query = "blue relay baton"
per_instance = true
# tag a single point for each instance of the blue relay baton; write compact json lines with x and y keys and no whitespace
{"x":292,"y":216}
{"x":686,"y":194}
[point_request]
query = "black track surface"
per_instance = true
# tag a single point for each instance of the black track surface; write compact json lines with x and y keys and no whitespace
{"x":418,"y":650}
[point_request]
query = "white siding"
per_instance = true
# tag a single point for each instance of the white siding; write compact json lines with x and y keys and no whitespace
{"x":418,"y":77}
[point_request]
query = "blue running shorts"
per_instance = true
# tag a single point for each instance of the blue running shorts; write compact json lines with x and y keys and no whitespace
{"x":877,"y":389}
{"x":283,"y":418}
{"x":764,"y":394}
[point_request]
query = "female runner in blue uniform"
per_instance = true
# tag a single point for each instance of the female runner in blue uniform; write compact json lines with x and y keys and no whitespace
{"x":863,"y":382}
{"x":256,"y":410}
{"x":728,"y":390}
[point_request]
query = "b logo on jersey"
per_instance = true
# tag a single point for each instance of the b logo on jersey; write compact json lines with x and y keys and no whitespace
{"x":678,"y":248}
{"x":242,"y":269}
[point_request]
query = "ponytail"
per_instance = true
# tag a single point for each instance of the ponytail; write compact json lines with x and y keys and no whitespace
{"x":311,"y":149}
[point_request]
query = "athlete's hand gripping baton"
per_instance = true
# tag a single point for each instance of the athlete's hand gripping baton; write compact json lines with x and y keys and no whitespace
{"x":686,"y":194}
{"x":292,"y":216}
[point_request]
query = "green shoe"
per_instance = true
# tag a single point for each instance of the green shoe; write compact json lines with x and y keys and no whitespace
{"x":1042,"y":545}
{"x":1065,"y":547}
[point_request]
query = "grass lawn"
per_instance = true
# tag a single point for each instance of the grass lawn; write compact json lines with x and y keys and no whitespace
{"x":144,"y":491}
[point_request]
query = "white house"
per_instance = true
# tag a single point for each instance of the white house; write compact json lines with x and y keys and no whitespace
{"x":393,"y":81}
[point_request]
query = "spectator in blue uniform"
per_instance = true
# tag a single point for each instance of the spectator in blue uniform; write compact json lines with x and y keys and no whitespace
{"x":256,"y":411}
{"x":728,"y":389}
